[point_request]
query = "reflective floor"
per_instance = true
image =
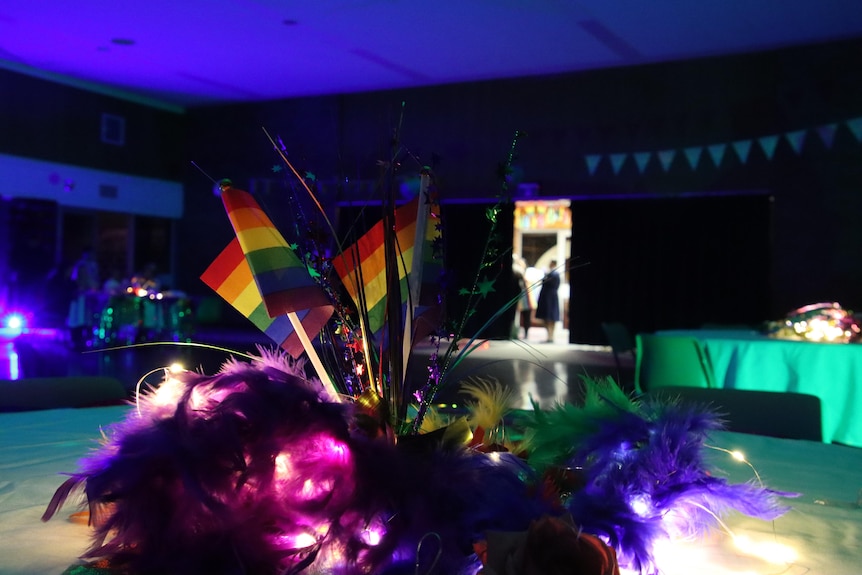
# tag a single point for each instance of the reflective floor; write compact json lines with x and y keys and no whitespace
{"x":538,"y":371}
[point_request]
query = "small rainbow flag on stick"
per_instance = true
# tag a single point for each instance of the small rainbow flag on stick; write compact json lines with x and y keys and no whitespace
{"x":362,"y":267}
{"x":283,"y":279}
{"x":260,"y":275}
{"x":230,"y":277}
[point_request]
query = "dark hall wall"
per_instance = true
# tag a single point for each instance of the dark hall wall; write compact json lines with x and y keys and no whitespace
{"x":465,"y":132}
{"x":58,"y":123}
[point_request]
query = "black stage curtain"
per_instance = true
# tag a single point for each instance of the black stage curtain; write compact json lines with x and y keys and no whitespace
{"x":665,"y":263}
{"x":466,"y":229}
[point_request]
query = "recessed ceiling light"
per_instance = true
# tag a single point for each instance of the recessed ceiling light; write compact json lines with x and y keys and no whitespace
{"x":123,"y":41}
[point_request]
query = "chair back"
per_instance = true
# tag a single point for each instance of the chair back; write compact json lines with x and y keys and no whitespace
{"x":663,"y":361}
{"x":619,"y":337}
{"x":622,"y":345}
{"x":773,"y":413}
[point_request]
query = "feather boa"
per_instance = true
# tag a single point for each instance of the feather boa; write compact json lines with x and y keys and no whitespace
{"x":255,"y":470}
{"x":641,"y":470}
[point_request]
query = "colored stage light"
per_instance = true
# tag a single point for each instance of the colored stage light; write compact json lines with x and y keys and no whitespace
{"x":14,"y":321}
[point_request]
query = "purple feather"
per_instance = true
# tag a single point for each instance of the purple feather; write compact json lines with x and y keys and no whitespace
{"x":256,"y":470}
{"x":253,"y":470}
{"x":645,"y":479}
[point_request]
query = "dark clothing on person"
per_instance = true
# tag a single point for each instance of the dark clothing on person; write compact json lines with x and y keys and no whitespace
{"x":548,"y":305}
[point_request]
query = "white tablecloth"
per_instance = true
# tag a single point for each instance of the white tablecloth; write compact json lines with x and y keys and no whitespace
{"x":824,"y":529}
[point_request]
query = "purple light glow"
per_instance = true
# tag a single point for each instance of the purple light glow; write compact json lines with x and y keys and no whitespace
{"x":317,"y":470}
{"x":372,"y":536}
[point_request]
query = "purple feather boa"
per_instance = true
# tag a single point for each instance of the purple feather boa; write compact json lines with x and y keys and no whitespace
{"x":645,"y":479}
{"x":254,"y":470}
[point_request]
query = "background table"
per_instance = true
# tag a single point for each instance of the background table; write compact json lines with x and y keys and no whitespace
{"x":831,"y":371}
{"x":825,"y":527}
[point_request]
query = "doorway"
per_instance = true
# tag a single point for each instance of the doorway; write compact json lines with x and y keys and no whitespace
{"x":542,"y":234}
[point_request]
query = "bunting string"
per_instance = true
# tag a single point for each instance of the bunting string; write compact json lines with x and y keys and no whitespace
{"x":694,"y":156}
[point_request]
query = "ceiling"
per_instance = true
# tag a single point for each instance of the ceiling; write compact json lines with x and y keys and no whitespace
{"x":183,"y":53}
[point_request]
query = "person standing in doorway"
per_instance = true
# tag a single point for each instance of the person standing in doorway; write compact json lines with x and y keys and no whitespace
{"x":548,"y":304}
{"x":525,"y":304}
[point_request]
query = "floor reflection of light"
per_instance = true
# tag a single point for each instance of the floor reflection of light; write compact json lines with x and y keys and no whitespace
{"x":12,"y":358}
{"x":525,"y":378}
{"x":561,"y":381}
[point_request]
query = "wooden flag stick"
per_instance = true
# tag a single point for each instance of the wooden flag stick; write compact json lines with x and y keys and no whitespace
{"x":312,"y":355}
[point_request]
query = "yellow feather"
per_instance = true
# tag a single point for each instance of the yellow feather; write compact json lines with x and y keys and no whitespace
{"x":434,"y":420}
{"x":491,"y":402}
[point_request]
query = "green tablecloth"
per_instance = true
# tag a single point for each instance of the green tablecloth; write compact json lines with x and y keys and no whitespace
{"x":831,"y":371}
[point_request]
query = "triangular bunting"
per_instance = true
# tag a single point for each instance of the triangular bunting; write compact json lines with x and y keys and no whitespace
{"x":642,"y":159}
{"x":666,"y":158}
{"x":617,"y":161}
{"x":716,"y":152}
{"x":855,"y":126}
{"x":768,"y":143}
{"x":827,"y":134}
{"x":796,"y":140}
{"x":742,"y":147}
{"x":592,"y":163}
{"x":693,"y":156}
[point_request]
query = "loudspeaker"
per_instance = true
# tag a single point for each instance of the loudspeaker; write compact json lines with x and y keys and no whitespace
{"x":30,"y":249}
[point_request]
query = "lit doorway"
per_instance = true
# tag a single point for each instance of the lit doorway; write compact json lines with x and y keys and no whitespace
{"x":542,"y":234}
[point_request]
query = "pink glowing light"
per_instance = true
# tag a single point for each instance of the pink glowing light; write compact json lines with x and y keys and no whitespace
{"x":372,"y":535}
{"x":313,"y":469}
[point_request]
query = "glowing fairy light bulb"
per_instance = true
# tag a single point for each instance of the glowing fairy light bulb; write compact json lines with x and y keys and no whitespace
{"x":298,"y":541}
{"x":371,"y":536}
{"x":333,"y":448}
{"x":283,"y":466}
{"x":640,"y":504}
{"x":175,"y":368}
{"x":738,"y":456}
{"x":169,"y":392}
{"x":312,"y":490}
{"x":309,"y":489}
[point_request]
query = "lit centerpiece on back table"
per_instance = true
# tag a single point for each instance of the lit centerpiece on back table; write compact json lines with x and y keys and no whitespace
{"x":826,"y":322}
{"x":320,"y":458}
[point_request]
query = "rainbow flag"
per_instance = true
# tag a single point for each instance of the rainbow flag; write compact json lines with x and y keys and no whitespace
{"x":260,"y":276}
{"x":362,"y":268}
{"x":230,"y":277}
{"x":283,"y":279}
